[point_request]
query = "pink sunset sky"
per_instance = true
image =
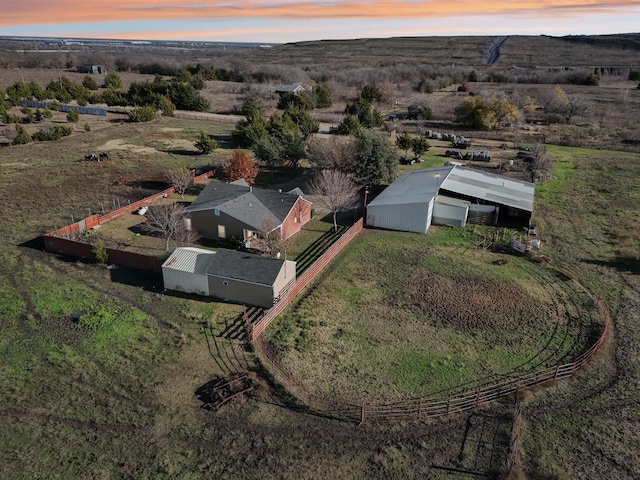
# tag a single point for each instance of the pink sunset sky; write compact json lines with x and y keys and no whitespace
{"x":280,"y":21}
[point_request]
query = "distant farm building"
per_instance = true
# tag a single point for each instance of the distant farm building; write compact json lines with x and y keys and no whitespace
{"x":228,"y":275}
{"x":295,"y":88}
{"x":451,"y":195}
{"x":95,"y":69}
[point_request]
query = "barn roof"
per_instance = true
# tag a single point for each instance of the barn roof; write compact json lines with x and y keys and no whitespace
{"x":414,"y":186}
{"x":252,"y":206}
{"x":493,"y":188}
{"x":421,"y":186}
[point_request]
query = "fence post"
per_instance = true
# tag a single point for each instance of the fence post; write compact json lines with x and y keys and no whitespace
{"x":362,"y":413}
{"x":449,"y":405}
{"x":555,"y":375}
{"x":419,"y":408}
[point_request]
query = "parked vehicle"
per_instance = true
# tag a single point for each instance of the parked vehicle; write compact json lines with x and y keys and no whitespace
{"x":453,"y":154}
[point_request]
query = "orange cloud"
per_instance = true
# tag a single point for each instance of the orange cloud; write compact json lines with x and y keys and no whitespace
{"x":99,"y":11}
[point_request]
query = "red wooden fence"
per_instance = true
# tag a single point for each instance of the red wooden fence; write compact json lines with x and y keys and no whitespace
{"x":301,"y":282}
{"x":62,"y":240}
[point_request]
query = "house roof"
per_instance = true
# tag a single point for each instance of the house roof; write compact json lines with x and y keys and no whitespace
{"x":490,"y":187}
{"x":244,"y":266}
{"x":252,"y":206}
{"x":189,"y":259}
{"x":414,"y":186}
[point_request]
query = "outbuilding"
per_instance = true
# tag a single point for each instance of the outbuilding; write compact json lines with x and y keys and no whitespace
{"x":228,"y":275}
{"x":408,"y":203}
{"x":451,"y":195}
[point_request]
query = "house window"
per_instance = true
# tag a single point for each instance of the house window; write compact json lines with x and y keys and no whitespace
{"x":216,"y":212}
{"x":222,"y":232}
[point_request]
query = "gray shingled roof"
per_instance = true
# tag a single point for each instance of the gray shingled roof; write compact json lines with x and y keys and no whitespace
{"x":244,"y":266}
{"x":252,"y":206}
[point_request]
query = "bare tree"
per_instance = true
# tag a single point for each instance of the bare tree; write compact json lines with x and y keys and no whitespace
{"x":336,"y":153}
{"x":167,"y":221}
{"x":542,"y":163}
{"x":269,"y":238}
{"x":180,"y":178}
{"x":336,"y":191}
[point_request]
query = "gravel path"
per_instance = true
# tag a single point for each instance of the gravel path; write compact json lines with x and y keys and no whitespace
{"x":493,"y":52}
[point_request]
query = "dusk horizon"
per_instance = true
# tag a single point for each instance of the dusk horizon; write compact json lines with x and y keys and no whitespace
{"x":257,"y":21}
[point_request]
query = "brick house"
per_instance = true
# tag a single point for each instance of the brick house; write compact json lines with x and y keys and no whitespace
{"x":236,"y":210}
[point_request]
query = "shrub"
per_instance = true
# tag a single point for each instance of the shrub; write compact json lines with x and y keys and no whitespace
{"x":73,"y":116}
{"x":349,"y":126}
{"x":100,"y":252}
{"x":112,"y":81}
{"x":87,"y":127}
{"x":418,"y":111}
{"x":89,"y":83}
{"x":634,"y":75}
{"x":204,"y":143}
{"x":52,"y":133}
{"x":166,"y":106}
{"x":142,"y":114}
{"x":22,"y":136}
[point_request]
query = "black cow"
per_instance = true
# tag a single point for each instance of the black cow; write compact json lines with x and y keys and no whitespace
{"x":104,"y":156}
{"x":91,"y":156}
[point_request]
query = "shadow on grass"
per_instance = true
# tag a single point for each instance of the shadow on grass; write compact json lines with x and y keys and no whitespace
{"x":154,"y":185}
{"x":224,"y":141}
{"x":148,"y":281}
{"x":181,"y":152}
{"x":622,"y":264}
{"x":35,"y":243}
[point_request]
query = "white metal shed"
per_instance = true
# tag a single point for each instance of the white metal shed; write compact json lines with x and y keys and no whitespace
{"x":185,"y":270}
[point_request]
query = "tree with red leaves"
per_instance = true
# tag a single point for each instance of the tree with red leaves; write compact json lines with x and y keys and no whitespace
{"x":240,"y":166}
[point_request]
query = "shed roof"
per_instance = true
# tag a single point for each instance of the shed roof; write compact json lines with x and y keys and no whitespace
{"x":244,"y":266}
{"x":455,"y":202}
{"x":490,"y":187}
{"x":252,"y":206}
{"x":414,"y":186}
{"x":189,"y":259}
{"x":293,"y":87}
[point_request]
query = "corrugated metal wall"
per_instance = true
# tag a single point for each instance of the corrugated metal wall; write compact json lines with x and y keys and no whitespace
{"x":414,"y":217}
{"x":454,"y":216}
{"x":182,"y":281}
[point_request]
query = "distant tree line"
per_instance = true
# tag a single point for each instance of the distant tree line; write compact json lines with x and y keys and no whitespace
{"x":180,"y":92}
